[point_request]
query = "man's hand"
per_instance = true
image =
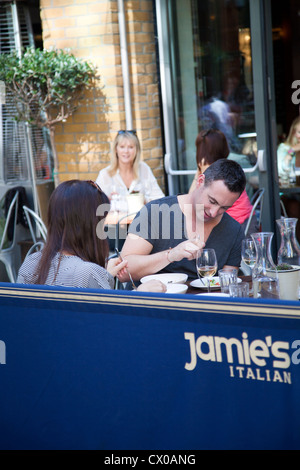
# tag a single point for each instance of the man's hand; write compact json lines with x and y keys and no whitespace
{"x":187,"y":249}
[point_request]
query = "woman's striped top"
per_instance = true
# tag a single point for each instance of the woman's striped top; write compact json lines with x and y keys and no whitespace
{"x":73,"y":272}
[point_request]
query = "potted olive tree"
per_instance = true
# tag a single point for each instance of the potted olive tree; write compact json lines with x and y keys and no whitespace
{"x":45,"y":87}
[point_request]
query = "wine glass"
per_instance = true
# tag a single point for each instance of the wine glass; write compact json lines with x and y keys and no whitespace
{"x":206,"y":264}
{"x":248,"y":253}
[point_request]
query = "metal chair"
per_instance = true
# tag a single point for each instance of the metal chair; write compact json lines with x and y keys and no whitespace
{"x":257,"y":207}
{"x":40,"y":228}
{"x":39,"y":233}
{"x":283,"y":209}
{"x":38,"y":246}
{"x":7,"y":252}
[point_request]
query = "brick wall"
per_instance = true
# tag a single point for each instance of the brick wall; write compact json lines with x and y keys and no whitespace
{"x":89,"y":28}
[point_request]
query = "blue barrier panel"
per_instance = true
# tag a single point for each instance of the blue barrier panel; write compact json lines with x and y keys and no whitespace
{"x":124,"y":370}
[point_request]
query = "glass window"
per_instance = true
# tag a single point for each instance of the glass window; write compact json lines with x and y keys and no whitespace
{"x":212,"y":79}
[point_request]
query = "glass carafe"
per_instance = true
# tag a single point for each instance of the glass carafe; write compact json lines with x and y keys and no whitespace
{"x":264,"y":274}
{"x":289,"y":251}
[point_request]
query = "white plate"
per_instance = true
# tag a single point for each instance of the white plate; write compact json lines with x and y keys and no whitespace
{"x":213,"y":286}
{"x":217,"y":294}
{"x":166,"y":278}
{"x":176,"y":289}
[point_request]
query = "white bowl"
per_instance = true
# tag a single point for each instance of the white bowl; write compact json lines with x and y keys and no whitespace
{"x":176,"y":289}
{"x":166,"y":278}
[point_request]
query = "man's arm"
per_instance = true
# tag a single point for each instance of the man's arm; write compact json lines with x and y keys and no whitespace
{"x":142,"y":263}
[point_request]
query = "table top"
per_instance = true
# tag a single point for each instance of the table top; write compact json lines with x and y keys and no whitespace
{"x":289,"y":189}
{"x":194,"y":290}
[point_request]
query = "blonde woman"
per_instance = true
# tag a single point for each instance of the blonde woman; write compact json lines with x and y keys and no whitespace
{"x":288,"y":162}
{"x":127,"y":173}
{"x":288,"y":151}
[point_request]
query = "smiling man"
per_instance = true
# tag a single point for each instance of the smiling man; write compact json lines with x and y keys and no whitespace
{"x":167,"y":233}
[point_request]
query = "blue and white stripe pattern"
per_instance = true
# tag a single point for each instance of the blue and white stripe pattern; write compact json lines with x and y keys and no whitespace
{"x":73,"y":272}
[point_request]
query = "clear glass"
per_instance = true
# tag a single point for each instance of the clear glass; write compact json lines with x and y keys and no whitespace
{"x":239,"y":290}
{"x":215,"y":36}
{"x":206,"y":264}
{"x":248,"y":253}
{"x":289,"y":251}
{"x":264,"y":274}
{"x":227,"y":276}
{"x":288,"y":178}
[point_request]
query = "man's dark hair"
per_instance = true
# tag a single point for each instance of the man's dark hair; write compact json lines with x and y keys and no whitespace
{"x":228,"y":171}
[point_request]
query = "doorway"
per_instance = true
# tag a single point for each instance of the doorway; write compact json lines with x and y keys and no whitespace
{"x":217,"y":70}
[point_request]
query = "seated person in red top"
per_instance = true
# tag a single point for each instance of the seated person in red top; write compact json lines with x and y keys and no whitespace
{"x":211,"y":145}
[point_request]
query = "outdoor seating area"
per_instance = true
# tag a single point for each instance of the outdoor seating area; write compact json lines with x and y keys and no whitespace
{"x":149,"y":227}
{"x":182,"y":345}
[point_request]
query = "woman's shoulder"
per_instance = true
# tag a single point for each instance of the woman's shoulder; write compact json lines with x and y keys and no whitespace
{"x":283,"y":147}
{"x":28,"y":268}
{"x":104,"y":171}
{"x":104,"y":177}
{"x":86,"y":273}
{"x":143,"y":166}
{"x":31,"y":260}
{"x":95,"y":275}
{"x":85,"y":265}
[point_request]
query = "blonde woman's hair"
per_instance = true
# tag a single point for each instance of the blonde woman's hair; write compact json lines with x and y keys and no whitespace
{"x":291,"y":137}
{"x":132,"y":137}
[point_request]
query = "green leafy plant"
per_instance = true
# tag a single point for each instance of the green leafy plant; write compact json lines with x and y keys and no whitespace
{"x":284,"y":267}
{"x":45,"y":86}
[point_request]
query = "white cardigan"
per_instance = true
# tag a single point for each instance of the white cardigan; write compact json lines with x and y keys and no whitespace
{"x":145,"y":183}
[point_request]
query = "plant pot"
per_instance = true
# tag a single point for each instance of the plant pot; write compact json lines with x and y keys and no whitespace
{"x":288,"y":283}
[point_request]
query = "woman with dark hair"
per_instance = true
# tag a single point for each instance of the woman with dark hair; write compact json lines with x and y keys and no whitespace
{"x":76,"y":251}
{"x":211,"y":145}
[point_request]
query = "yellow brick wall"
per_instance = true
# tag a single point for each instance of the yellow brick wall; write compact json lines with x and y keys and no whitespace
{"x":89,"y":28}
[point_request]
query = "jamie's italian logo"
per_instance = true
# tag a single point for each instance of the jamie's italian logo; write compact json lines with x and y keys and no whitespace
{"x":262,"y":360}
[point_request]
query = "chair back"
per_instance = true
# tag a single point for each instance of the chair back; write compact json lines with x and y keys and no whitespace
{"x":257,"y":201}
{"x":283,"y":209}
{"x":38,"y":246}
{"x":11,"y":221}
{"x":40,"y":230}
